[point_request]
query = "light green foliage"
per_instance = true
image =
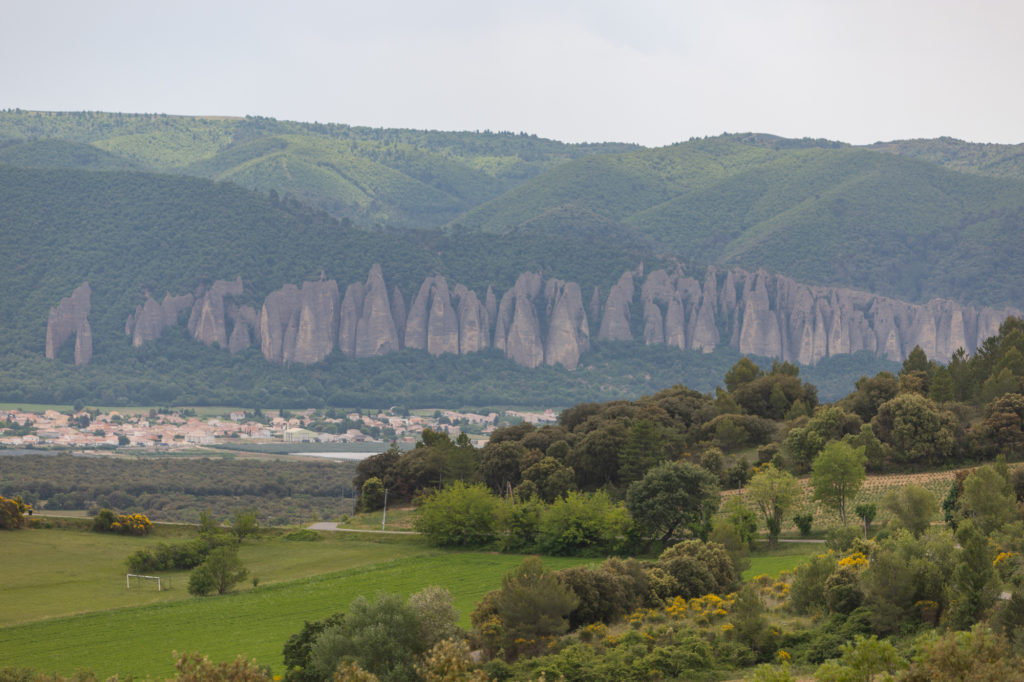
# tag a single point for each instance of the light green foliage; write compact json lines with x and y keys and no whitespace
{"x":436,"y":614}
{"x":742,"y":518}
{"x":866,"y":513}
{"x":372,"y":495}
{"x":771,"y":673}
{"x":244,"y":523}
{"x":220,"y":571}
{"x":974,"y":584}
{"x":988,"y":499}
{"x":807,"y":592}
{"x":837,"y":474}
{"x":383,"y":636}
{"x":775,"y":493}
{"x":976,"y":654}
{"x":460,"y":515}
{"x":866,"y":659}
{"x":905,"y":580}
{"x":673,"y":496}
{"x":583,"y":524}
{"x":912,"y":507}
{"x":750,"y":624}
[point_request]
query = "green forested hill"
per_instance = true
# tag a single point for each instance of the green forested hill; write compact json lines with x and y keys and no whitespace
{"x":924,"y":219}
{"x":401,"y":178}
{"x":996,"y":160}
{"x":151,"y":203}
{"x":839,"y":216}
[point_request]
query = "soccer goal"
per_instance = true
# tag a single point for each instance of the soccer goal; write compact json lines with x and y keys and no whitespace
{"x":140,"y":580}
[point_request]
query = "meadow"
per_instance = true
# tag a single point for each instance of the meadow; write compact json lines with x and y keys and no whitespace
{"x":65,"y":606}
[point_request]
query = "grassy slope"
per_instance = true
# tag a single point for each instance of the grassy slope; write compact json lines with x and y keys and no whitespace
{"x":139,"y":640}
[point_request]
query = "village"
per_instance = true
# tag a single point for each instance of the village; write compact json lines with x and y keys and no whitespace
{"x":183,"y":429}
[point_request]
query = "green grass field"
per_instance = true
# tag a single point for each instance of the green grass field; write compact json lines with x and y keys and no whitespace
{"x":58,"y":573}
{"x":786,"y":557}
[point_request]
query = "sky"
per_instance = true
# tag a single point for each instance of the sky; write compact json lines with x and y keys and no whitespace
{"x":646,"y":71}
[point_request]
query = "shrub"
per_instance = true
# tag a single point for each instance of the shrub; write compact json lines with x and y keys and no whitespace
{"x":842,"y":538}
{"x":303,"y":535}
{"x":807,"y":593}
{"x":169,"y":557}
{"x":698,"y":568}
{"x":583,"y":523}
{"x":12,"y":513}
{"x":221,"y":571}
{"x":106,"y":521}
{"x":803,"y":523}
{"x":459,"y":515}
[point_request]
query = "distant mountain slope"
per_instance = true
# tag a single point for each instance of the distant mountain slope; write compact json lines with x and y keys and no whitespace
{"x":913,"y":220}
{"x":827,"y":214}
{"x":995,"y":160}
{"x":403,"y":178}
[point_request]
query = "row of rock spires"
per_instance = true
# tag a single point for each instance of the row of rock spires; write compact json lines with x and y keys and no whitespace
{"x":541,"y":321}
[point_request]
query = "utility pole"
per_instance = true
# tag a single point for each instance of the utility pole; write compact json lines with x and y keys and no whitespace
{"x":384,"y":517}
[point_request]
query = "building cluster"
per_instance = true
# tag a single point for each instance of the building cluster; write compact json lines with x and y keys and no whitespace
{"x":174,"y":430}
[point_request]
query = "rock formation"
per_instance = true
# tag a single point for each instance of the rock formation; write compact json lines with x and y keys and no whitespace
{"x":244,"y":321}
{"x":208,"y":321}
{"x":71,"y":317}
{"x":545,"y":321}
{"x":376,"y":332}
{"x":616,"y":315}
{"x":300,"y":324}
{"x":151,"y":318}
{"x":568,"y":334}
{"x":433,"y":323}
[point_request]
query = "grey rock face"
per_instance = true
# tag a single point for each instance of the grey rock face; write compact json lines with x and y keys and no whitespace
{"x":278,"y":322}
{"x":568,"y":334}
{"x":433,"y":323}
{"x":244,"y":320}
{"x":316,"y":334}
{"x":71,"y":317}
{"x":151,"y":318}
{"x":542,"y":321}
{"x":376,"y":333}
{"x":615,"y":319}
{"x":208,"y":321}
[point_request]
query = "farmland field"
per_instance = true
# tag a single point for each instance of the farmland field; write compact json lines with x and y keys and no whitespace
{"x":114,"y":638}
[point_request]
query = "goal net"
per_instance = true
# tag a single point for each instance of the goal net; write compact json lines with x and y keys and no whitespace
{"x":141,"y":580}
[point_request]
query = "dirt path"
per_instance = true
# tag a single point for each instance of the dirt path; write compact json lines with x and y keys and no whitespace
{"x":331,"y":526}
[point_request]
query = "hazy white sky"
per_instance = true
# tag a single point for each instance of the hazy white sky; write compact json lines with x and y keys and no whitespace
{"x":647,"y":71}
